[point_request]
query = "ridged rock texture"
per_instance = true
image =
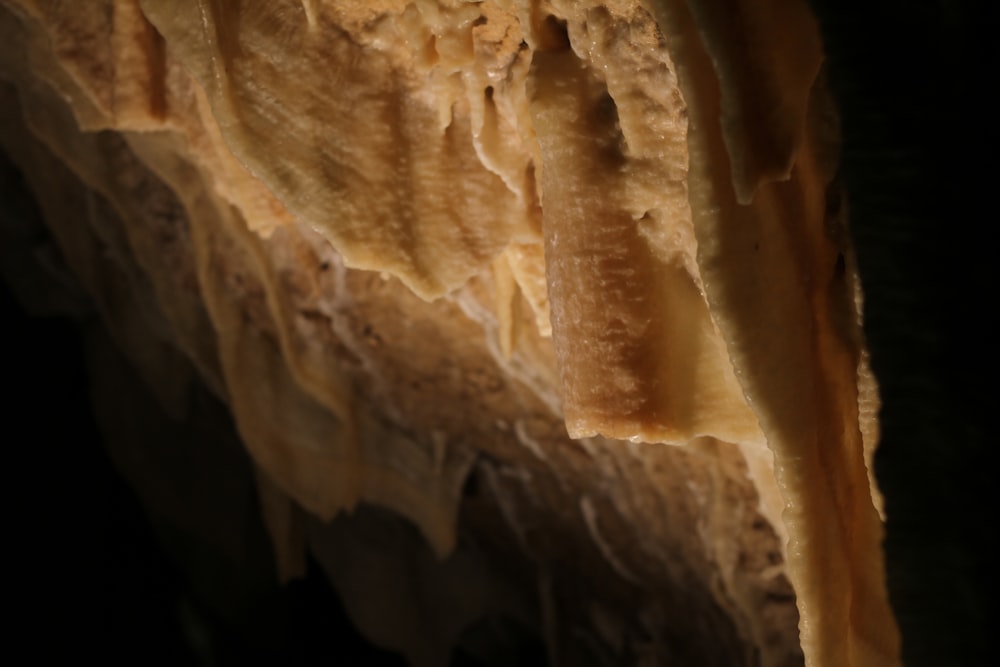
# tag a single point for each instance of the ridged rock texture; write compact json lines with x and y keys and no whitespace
{"x":566,"y":285}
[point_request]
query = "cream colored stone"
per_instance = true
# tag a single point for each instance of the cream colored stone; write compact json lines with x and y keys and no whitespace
{"x":603,"y":216}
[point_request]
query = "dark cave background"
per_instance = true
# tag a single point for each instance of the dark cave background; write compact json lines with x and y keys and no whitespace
{"x":89,"y":577}
{"x":913,"y":83}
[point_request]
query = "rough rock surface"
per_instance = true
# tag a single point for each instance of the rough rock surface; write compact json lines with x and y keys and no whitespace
{"x":564,"y":285}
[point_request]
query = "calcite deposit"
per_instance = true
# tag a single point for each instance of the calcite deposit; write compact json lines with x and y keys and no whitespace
{"x":583,"y":260}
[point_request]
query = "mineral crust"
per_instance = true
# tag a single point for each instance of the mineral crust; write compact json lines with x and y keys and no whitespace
{"x":564,"y":285}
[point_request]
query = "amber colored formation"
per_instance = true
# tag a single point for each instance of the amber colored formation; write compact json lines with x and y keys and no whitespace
{"x":533,"y":242}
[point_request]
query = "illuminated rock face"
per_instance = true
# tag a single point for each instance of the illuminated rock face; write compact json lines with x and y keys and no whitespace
{"x":413,"y":245}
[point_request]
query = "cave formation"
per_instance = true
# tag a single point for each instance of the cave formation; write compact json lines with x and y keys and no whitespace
{"x":538,"y":332}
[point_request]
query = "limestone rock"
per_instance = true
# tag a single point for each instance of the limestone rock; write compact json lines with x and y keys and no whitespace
{"x":579,"y":257}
